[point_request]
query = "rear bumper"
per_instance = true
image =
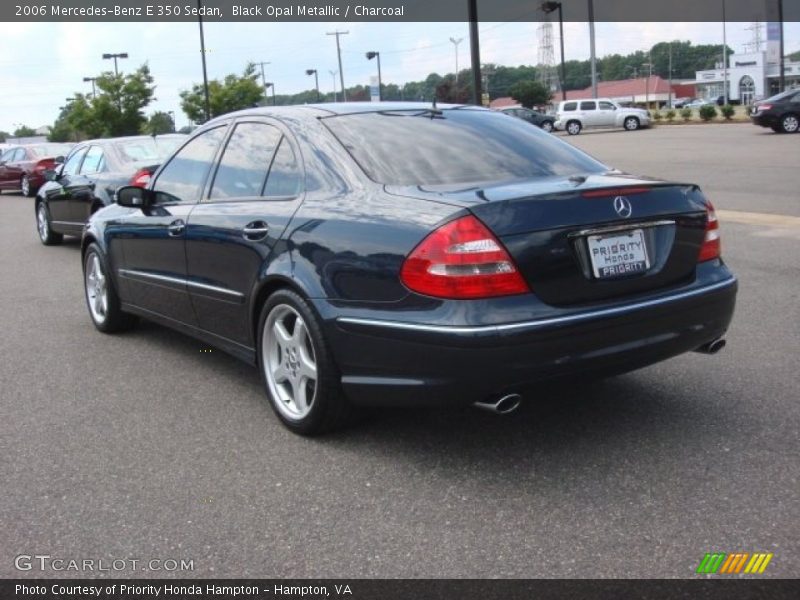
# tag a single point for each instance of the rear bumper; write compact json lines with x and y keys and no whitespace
{"x":764,"y":120}
{"x":393,"y":363}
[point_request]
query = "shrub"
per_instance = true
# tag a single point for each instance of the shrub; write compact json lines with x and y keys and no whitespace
{"x":670,"y":115}
{"x":686,"y":113}
{"x":727,"y":111}
{"x":708,"y":112}
{"x":657,"y":115}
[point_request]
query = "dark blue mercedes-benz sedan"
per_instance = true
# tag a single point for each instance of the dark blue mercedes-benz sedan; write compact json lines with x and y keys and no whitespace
{"x":408,"y":254}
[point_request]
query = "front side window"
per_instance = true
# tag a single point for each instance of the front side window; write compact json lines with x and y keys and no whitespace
{"x":606,"y":106}
{"x":453,"y":146}
{"x":93,"y":163}
{"x":588,"y":106}
{"x":7,"y":155}
{"x":74,"y":162}
{"x":245,"y":162}
{"x":183,"y":178}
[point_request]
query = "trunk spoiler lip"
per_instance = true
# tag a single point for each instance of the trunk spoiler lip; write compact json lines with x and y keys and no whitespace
{"x":484,"y":193}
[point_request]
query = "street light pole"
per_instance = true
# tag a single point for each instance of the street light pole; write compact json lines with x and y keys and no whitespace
{"x":370,"y":56}
{"x":456,"y":42}
{"x":269,"y":84}
{"x":592,"y":50}
{"x":337,"y":33}
{"x":333,"y":75}
{"x":316,"y":80}
{"x":108,"y":56}
{"x":92,"y":79}
{"x":264,"y":79}
{"x":549,"y":7}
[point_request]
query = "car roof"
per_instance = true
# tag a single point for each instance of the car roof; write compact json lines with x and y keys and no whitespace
{"x":302,"y":111}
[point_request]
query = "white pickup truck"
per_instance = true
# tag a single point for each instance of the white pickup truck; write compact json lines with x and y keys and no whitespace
{"x":574,"y":115}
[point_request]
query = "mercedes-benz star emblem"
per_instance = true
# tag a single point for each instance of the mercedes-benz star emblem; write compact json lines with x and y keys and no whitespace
{"x":623,"y":206}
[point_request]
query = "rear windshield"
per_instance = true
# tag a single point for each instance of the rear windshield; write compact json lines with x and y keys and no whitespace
{"x":453,"y":146}
{"x":144,"y":150}
{"x":50,"y":150}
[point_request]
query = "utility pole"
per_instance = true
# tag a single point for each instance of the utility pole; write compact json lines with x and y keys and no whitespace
{"x":475,"y":51}
{"x":264,"y":79}
{"x":456,"y":42}
{"x":780,"y":58}
{"x":337,"y":33}
{"x":591,"y":49}
{"x":669,"y":91}
{"x":207,"y":103}
{"x":724,"y":56}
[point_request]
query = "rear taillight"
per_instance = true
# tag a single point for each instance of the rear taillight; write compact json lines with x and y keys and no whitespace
{"x":459,"y":260}
{"x":711,"y":247}
{"x":763,"y":107}
{"x":44,"y":164}
{"x":141,"y":178}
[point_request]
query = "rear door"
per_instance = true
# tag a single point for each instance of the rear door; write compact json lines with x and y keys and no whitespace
{"x":153,"y":276}
{"x":256,"y":189}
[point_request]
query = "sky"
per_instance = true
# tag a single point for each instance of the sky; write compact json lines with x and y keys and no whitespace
{"x":44,"y":63}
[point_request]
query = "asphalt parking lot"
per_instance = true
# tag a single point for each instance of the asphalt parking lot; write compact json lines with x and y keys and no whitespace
{"x":148,"y":446}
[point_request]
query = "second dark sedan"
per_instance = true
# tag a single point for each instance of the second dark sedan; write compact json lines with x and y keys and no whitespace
{"x":400,"y":254}
{"x":531,"y":116}
{"x":87,"y":179}
{"x":781,"y":112}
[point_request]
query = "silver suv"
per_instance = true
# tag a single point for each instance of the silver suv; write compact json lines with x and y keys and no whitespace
{"x":574,"y":115}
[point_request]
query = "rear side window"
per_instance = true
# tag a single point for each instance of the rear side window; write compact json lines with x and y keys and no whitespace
{"x":73,"y":162}
{"x":183,"y":178}
{"x":284,"y":175}
{"x":245,"y":162}
{"x":453,"y":146}
{"x":569,"y":106}
{"x":588,"y":105}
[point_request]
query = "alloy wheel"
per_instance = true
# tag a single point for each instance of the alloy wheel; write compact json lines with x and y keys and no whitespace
{"x":790,"y":124}
{"x":631,"y":124}
{"x":574,"y":128}
{"x":25,"y":184}
{"x":96,"y":289}
{"x":289,"y":362}
{"x":41,"y":222}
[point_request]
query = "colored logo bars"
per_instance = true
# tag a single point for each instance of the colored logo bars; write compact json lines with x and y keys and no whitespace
{"x":720,"y":563}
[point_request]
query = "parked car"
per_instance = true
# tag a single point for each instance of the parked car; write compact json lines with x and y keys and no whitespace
{"x":573,"y":116}
{"x":393,"y":254}
{"x":531,"y":116}
{"x":23,"y":167}
{"x":681,"y":102}
{"x":88,"y":177}
{"x":780,"y":112}
{"x":720,"y":101}
{"x":697,"y":103}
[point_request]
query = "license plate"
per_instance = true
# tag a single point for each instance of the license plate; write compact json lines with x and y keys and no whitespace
{"x":618,"y":254}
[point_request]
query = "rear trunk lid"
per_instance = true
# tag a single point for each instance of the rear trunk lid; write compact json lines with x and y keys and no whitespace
{"x":581,"y":240}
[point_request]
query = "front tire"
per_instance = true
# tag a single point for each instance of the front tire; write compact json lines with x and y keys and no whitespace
{"x":790,"y":123}
{"x":547,"y":126}
{"x":101,"y":297}
{"x":574,"y":127}
{"x":300,"y":377}
{"x":631,"y":123}
{"x":46,"y":234}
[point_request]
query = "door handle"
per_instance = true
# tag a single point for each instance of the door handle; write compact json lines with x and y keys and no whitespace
{"x":255,"y":231}
{"x":176,"y":228}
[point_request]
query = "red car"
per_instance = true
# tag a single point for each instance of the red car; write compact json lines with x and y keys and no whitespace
{"x":23,"y":167}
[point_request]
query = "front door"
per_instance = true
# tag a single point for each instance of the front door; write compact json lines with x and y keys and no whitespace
{"x":153,"y":276}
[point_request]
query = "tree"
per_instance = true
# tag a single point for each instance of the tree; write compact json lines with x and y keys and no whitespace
{"x":449,"y":91}
{"x":120,"y":101}
{"x":233,"y":93}
{"x":158,"y":123}
{"x":24,"y":131}
{"x":530,"y":93}
{"x":4,"y":135}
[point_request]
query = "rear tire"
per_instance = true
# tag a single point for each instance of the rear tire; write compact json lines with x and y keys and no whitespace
{"x":547,"y":126}
{"x":574,"y":127}
{"x":790,"y":123}
{"x":46,"y":234}
{"x":631,"y":123}
{"x":101,"y":297}
{"x":301,"y":380}
{"x":25,"y":186}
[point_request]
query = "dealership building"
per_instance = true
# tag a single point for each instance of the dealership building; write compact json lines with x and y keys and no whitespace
{"x":750,"y":77}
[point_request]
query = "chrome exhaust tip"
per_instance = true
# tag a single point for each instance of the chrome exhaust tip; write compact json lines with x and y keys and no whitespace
{"x":711,"y":347}
{"x":501,"y":406}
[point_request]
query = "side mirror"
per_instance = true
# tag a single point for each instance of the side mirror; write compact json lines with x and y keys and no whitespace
{"x":59,"y":160}
{"x":50,"y":175}
{"x":133,"y":196}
